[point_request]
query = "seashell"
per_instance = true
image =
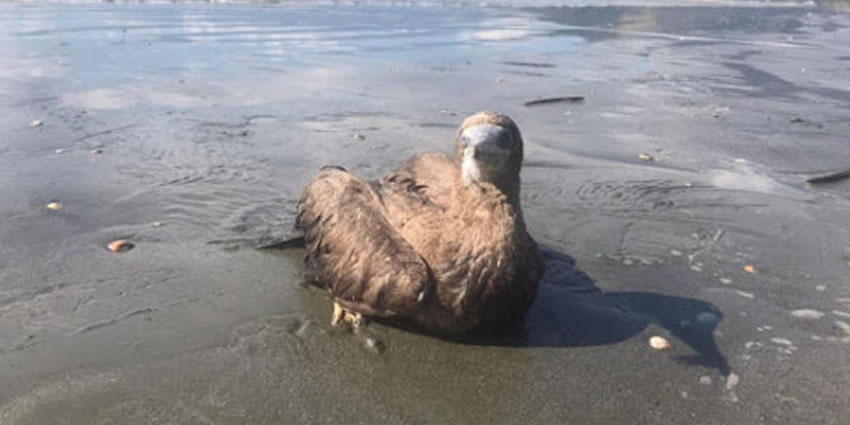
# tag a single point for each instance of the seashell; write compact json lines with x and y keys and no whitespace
{"x":659,"y":343}
{"x":120,"y":245}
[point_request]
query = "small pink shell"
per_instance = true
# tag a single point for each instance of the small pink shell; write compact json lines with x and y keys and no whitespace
{"x":120,"y":245}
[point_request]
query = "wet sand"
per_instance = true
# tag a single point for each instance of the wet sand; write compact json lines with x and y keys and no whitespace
{"x":210,"y":119}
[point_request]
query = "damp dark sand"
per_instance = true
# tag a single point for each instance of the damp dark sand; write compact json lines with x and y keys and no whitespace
{"x":211,"y":120}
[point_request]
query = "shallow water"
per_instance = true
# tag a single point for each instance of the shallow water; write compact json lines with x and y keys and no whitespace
{"x":212,"y":118}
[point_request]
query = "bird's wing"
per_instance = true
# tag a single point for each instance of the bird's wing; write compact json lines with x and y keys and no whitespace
{"x":429,"y":175}
{"x":354,"y":250}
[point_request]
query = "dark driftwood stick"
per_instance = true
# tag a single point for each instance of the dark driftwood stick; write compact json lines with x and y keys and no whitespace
{"x":554,"y":100}
{"x":265,"y":242}
{"x":293,"y":242}
{"x":830,"y":178}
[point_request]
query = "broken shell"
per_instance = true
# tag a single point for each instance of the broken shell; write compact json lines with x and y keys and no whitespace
{"x":659,"y":343}
{"x":120,"y":245}
{"x":54,"y":205}
{"x":59,"y":150}
{"x":645,"y":157}
{"x":749,"y":268}
{"x":157,"y":224}
{"x":36,"y":123}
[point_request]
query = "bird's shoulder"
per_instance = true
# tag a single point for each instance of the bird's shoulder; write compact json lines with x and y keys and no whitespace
{"x":429,"y":177}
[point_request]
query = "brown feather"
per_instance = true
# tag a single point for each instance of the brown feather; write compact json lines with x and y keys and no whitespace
{"x":421,"y":245}
{"x":354,"y":251}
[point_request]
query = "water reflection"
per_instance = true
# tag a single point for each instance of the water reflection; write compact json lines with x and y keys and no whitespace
{"x":604,"y":23}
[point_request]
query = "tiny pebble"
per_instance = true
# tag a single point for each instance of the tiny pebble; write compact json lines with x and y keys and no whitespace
{"x":689,"y":184}
{"x":374,"y":345}
{"x":732,"y":381}
{"x":696,"y":268}
{"x":59,"y":151}
{"x":749,"y":268}
{"x":36,"y":123}
{"x":500,"y":80}
{"x":359,"y":137}
{"x":705,"y":380}
{"x":676,"y":253}
{"x":659,"y":343}
{"x":740,"y":161}
{"x":120,"y":245}
{"x":645,"y":157}
{"x":54,"y":205}
{"x":627,"y":262}
{"x":157,"y":224}
{"x":725,"y":281}
{"x":96,"y":151}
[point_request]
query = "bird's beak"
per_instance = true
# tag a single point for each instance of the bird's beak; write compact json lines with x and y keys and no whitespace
{"x":485,"y":144}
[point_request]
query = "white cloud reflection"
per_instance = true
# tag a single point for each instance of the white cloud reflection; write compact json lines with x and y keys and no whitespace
{"x":500,"y":29}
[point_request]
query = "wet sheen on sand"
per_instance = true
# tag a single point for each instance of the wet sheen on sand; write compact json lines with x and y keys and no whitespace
{"x":672,"y":203}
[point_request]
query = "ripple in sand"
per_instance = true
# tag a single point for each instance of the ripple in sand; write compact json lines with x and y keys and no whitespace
{"x":807,"y":313}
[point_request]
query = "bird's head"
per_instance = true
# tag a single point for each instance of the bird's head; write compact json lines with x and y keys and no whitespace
{"x":488,"y":148}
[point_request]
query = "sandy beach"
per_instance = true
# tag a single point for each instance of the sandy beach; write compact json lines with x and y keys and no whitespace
{"x":672,"y":202}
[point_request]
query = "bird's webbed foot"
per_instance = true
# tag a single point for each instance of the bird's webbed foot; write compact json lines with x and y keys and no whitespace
{"x":341,"y":315}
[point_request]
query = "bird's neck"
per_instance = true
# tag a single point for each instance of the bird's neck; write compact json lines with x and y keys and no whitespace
{"x":501,"y":198}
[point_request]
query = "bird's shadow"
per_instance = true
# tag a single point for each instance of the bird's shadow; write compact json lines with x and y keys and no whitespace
{"x":571,"y":311}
